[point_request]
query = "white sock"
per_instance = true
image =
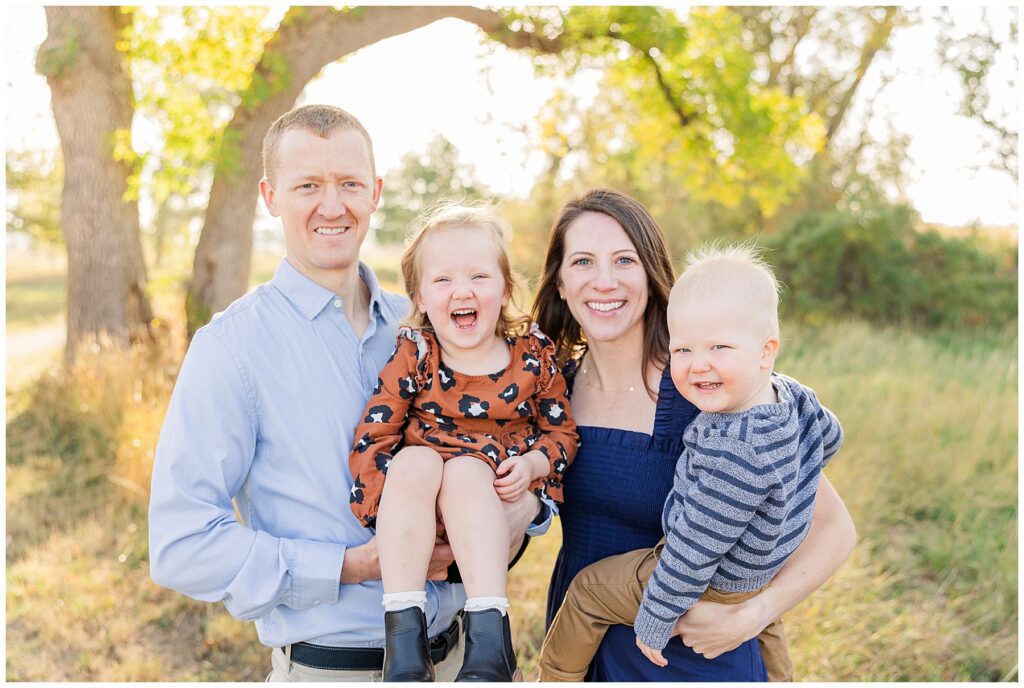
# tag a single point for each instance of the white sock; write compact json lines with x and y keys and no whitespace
{"x":479,"y":604}
{"x":394,"y":601}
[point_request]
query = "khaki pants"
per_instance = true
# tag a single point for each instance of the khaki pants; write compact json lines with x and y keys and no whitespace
{"x":609,"y":592}
{"x":283,"y":669}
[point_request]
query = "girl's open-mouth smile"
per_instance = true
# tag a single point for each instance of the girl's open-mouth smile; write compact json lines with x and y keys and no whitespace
{"x":464,"y":318}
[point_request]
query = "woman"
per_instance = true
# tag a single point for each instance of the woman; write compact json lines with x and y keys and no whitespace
{"x":602,"y":299}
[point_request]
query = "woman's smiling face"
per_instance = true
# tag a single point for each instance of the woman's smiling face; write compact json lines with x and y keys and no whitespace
{"x":602,"y":279}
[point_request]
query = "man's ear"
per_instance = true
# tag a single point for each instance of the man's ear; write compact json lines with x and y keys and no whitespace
{"x":267,"y":192}
{"x":769,"y":350}
{"x":378,"y":184}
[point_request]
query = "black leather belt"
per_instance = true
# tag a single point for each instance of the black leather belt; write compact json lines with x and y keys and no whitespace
{"x":368,"y":658}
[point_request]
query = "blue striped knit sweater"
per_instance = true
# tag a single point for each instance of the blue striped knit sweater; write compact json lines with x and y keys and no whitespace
{"x":741,"y":502}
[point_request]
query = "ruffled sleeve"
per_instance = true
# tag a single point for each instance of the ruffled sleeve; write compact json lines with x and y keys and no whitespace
{"x":557,"y":438}
{"x":426,"y":347}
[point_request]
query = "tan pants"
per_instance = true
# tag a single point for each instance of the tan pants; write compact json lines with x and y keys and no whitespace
{"x":283,"y":669}
{"x":609,"y":592}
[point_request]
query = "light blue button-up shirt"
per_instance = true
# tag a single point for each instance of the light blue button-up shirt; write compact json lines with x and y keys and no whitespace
{"x":263,"y":412}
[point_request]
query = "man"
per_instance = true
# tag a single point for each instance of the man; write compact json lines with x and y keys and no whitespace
{"x":263,"y":413}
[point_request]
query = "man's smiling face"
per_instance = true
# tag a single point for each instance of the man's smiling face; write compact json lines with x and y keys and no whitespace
{"x":325,"y":194}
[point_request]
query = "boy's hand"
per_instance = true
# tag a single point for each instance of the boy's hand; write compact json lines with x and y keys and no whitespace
{"x":517,"y":472}
{"x":650,"y":653}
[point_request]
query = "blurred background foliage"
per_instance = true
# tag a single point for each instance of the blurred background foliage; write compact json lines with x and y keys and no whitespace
{"x":730,"y":123}
{"x":710,"y":119}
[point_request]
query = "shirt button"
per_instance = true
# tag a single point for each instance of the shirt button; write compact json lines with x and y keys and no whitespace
{"x":337,"y":303}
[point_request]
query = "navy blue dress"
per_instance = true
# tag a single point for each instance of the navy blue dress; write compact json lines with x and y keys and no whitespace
{"x":614,"y":492}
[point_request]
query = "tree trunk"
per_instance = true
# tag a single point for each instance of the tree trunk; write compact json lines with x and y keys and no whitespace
{"x":91,"y":92}
{"x":308,"y":39}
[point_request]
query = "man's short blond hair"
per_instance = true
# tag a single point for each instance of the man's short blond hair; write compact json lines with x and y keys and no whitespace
{"x":322,"y":120}
{"x":737,"y":271}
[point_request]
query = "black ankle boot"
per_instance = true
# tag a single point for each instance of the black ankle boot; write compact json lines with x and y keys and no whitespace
{"x":489,"y":652}
{"x":406,"y":653}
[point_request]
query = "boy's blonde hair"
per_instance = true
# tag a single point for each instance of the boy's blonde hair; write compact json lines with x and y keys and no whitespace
{"x":462,"y":215}
{"x":716,"y":269}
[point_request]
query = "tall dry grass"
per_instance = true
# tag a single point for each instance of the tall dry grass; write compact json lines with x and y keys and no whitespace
{"x":80,"y":605}
{"x":928,"y":471}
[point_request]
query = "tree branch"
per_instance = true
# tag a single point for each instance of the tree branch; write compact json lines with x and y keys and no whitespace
{"x":674,"y":103}
{"x":493,"y":24}
{"x":308,"y":39}
{"x":801,"y":25}
{"x":875,"y":42}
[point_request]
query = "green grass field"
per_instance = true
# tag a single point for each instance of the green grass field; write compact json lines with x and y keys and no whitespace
{"x":928,"y":470}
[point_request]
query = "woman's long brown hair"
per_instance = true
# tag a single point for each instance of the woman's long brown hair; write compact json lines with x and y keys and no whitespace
{"x":552,"y":314}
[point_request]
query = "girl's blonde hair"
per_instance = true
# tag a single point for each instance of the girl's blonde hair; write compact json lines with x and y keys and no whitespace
{"x":462,"y":215}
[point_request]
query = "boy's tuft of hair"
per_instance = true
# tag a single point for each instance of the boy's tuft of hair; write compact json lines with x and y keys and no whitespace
{"x":721,"y":253}
{"x":717,"y":267}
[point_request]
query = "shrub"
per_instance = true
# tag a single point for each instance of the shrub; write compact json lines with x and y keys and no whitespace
{"x":876,"y":265}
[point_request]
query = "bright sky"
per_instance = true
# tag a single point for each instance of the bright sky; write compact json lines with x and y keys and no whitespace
{"x":442,"y":79}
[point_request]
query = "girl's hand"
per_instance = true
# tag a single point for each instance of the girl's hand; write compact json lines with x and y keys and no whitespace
{"x":517,"y":472}
{"x":650,"y":653}
{"x":514,"y":476}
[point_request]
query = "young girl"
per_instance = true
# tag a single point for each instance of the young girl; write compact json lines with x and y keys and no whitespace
{"x":470,"y":411}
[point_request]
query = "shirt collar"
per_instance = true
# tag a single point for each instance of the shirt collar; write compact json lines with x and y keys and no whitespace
{"x":311,"y":298}
{"x":370,"y":280}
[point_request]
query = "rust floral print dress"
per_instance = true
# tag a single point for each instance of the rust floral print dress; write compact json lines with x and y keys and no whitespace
{"x":419,"y":401}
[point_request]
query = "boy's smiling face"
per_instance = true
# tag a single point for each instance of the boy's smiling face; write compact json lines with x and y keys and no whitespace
{"x":722,"y":358}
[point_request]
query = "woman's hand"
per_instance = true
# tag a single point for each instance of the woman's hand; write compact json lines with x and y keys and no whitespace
{"x":711,"y":629}
{"x":517,"y":472}
{"x":650,"y":653}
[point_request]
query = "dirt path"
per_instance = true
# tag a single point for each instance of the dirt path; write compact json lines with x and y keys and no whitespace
{"x":29,"y":352}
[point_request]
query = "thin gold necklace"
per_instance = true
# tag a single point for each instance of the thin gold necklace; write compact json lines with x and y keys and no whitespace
{"x":583,"y":369}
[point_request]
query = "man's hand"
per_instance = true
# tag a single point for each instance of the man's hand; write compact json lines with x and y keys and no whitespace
{"x":650,"y":653}
{"x":517,"y":472}
{"x":361,"y":563}
{"x":711,"y":629}
{"x":441,"y":558}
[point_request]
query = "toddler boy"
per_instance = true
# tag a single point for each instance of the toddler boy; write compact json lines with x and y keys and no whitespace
{"x":744,"y":487}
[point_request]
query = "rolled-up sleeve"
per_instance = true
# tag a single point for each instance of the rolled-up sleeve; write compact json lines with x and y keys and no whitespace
{"x":197,"y":544}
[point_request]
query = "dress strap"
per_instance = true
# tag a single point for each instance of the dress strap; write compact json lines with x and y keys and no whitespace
{"x":674,"y":412}
{"x":569,"y":373}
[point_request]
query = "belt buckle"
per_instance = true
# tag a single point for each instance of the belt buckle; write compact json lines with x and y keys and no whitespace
{"x":438,"y":648}
{"x":443,"y":643}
